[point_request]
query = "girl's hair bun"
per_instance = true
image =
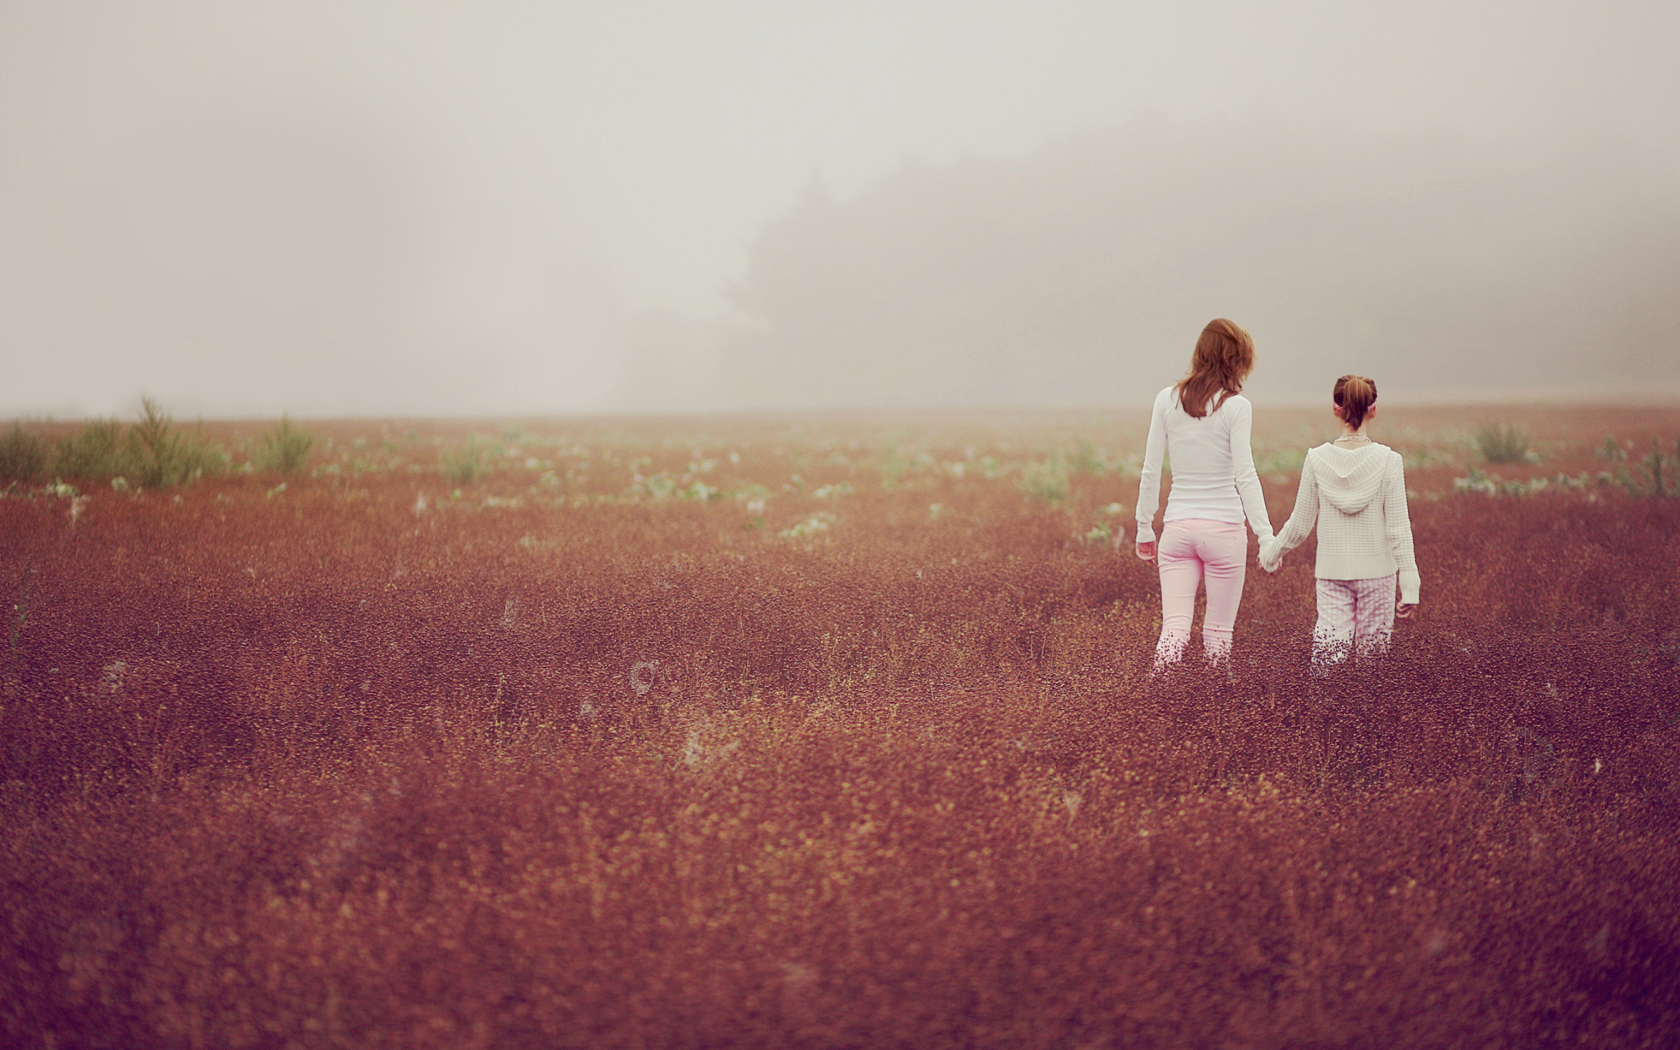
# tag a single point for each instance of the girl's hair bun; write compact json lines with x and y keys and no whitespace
{"x":1354,"y":396}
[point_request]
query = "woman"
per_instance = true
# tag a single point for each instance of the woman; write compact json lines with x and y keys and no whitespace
{"x":1355,"y":489}
{"x":1202,"y":423}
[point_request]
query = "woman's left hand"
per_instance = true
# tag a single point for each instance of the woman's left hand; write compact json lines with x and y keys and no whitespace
{"x":1404,"y":610}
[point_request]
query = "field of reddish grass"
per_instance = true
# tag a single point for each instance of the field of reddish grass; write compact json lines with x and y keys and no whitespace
{"x":826,"y":733}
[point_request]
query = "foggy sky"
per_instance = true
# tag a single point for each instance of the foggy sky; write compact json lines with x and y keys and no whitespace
{"x":1081,"y":274}
{"x":417,"y":207}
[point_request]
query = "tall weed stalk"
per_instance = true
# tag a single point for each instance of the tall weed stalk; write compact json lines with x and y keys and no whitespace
{"x":160,"y":455}
{"x":285,"y":448}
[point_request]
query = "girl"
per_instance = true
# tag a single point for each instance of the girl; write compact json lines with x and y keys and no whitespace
{"x":1356,"y":489}
{"x":1202,"y":424}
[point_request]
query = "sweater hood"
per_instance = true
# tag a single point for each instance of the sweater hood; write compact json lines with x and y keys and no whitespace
{"x":1350,"y":478}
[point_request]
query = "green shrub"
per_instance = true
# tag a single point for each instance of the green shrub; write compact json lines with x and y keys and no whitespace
{"x":1476,"y":481}
{"x":1109,"y":530}
{"x":1088,"y":459}
{"x":95,"y":451}
{"x":284,"y":449}
{"x":819,"y":522}
{"x":893,"y":467}
{"x":159,"y":455}
{"x":23,"y":455}
{"x":1047,"y":481}
{"x":1502,"y":443}
{"x":1663,"y":469}
{"x":470,"y":462}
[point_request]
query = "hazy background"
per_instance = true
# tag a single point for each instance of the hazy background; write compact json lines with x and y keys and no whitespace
{"x":416,"y":207}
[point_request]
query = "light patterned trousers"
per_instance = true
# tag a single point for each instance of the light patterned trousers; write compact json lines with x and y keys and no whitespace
{"x":1355,"y":617}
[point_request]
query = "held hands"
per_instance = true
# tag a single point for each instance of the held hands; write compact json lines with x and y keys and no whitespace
{"x":1271,"y":554}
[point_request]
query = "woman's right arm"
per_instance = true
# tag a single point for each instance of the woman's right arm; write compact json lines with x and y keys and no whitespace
{"x":1149,"y":486}
{"x":1248,"y":479}
{"x":1300,"y":521}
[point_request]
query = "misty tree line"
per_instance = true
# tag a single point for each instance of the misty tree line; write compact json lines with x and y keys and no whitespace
{"x":1080,"y":274}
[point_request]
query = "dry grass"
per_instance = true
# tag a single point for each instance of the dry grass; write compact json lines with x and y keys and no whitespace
{"x":563,"y":761}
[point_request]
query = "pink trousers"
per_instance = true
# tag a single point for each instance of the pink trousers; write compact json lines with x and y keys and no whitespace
{"x":1190,"y":549}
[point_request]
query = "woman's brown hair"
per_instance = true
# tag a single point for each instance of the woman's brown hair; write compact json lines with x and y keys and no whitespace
{"x":1354,"y":396}
{"x":1223,"y":359}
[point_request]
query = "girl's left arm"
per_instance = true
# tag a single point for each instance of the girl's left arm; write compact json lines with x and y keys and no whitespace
{"x":1397,"y":521}
{"x":1300,"y":521}
{"x":1248,"y":479}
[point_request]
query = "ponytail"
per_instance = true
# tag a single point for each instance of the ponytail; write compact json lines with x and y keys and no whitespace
{"x":1354,"y":396}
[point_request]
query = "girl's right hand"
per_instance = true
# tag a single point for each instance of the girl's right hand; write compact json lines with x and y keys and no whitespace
{"x":1404,"y":610}
{"x":1146,"y":551}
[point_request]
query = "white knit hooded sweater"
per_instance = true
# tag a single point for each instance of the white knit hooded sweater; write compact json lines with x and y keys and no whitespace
{"x":1358,"y":497}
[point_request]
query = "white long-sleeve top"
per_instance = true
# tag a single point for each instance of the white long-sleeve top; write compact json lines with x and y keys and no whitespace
{"x":1213,"y":473}
{"x":1358,"y":498}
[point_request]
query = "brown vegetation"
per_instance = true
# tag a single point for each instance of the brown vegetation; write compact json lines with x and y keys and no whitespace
{"x":699,"y":733}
